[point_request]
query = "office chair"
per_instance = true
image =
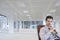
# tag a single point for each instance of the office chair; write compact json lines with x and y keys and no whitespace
{"x":38,"y":30}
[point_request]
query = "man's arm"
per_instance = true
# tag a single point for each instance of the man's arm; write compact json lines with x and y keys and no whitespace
{"x":44,"y":35}
{"x":58,"y":35}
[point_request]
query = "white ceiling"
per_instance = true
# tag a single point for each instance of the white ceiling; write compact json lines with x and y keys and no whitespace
{"x":29,"y":9}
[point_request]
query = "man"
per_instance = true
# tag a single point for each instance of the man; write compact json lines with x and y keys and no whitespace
{"x":48,"y":32}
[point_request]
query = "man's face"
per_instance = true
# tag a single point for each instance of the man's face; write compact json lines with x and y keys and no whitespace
{"x":49,"y":22}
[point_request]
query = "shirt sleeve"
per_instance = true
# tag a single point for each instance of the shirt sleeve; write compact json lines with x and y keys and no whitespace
{"x":44,"y":35}
{"x":58,"y":35}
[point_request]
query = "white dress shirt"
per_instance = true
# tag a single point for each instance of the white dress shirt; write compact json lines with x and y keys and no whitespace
{"x":45,"y":34}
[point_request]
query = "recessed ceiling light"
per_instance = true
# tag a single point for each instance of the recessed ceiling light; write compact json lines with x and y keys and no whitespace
{"x":49,"y":14}
{"x":52,"y":11}
{"x":28,"y":15}
{"x":25,"y":11}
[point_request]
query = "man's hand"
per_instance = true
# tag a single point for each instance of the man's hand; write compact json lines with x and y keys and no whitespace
{"x":51,"y":29}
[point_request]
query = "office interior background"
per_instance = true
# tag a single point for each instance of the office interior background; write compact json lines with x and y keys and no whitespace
{"x":19,"y":18}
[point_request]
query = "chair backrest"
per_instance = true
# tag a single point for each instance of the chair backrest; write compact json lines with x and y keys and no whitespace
{"x":38,"y":30}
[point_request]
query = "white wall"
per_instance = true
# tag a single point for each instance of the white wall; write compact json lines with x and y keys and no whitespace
{"x":58,"y":26}
{"x":10,"y":25}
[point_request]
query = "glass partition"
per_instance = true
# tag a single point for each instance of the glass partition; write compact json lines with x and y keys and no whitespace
{"x":3,"y":23}
{"x":26,"y":25}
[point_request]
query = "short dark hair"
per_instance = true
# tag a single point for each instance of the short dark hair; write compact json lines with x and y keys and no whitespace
{"x":49,"y":17}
